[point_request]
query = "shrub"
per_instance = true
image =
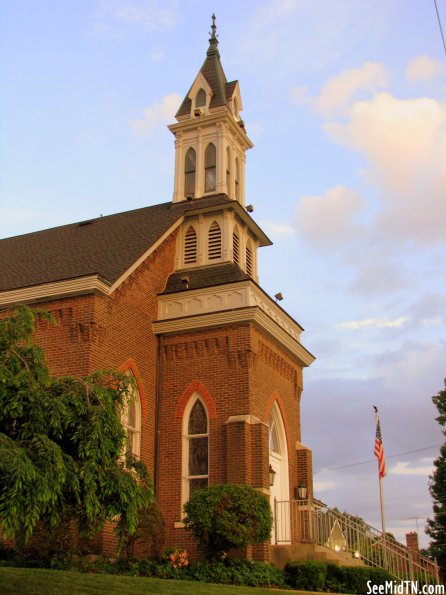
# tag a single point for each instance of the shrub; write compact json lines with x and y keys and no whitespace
{"x":309,"y":576}
{"x":224,"y":517}
{"x":237,"y":572}
{"x":148,"y":538}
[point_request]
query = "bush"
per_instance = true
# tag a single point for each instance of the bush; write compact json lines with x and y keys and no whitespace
{"x":318,"y":576}
{"x":237,"y":572}
{"x":309,"y":576}
{"x":224,"y":517}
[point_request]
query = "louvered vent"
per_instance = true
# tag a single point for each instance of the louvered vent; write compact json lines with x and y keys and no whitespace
{"x":214,"y":241}
{"x":249,"y":260}
{"x":236,"y":247}
{"x":190,"y":246}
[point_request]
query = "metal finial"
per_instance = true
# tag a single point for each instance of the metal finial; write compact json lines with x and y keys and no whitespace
{"x":214,"y":28}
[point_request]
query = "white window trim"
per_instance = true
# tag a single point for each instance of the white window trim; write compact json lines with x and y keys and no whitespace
{"x":185,"y":447}
{"x":136,"y":430}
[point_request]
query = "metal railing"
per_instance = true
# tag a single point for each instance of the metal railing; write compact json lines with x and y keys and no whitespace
{"x":310,"y":521}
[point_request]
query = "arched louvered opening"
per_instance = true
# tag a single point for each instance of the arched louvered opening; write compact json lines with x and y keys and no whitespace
{"x":190,"y":246}
{"x":190,"y":166}
{"x":214,"y":241}
{"x":237,"y":179}
{"x":210,"y":168}
{"x":236,"y":246}
{"x":228,"y":170}
{"x":200,"y":99}
{"x":249,"y":259}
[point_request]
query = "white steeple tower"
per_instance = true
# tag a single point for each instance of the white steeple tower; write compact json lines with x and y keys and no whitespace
{"x":210,"y":136}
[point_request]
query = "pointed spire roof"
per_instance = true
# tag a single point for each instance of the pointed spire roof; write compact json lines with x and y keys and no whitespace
{"x":213,"y":72}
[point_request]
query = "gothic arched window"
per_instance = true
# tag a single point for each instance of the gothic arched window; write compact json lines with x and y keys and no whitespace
{"x":131,"y":420}
{"x":214,"y":241}
{"x":196,"y":447}
{"x":190,"y":166}
{"x":200,"y":99}
{"x":237,"y":180}
{"x":190,"y":246}
{"x":228,"y":171}
{"x":210,"y":168}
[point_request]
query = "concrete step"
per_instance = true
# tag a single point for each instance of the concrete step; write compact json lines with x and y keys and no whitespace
{"x":280,"y":554}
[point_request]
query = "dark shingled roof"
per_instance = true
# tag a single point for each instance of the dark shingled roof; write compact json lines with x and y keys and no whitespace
{"x":107,"y":246}
{"x":207,"y":276}
{"x":213,"y":72}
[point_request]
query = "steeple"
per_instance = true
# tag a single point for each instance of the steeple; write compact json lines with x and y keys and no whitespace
{"x":210,"y":135}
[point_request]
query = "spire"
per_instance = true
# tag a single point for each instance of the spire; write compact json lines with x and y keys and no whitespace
{"x":213,"y":41}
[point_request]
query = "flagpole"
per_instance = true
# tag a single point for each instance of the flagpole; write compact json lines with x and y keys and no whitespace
{"x":381,"y":498}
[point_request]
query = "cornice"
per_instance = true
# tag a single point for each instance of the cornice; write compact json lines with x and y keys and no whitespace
{"x":227,"y":304}
{"x":58,"y":289}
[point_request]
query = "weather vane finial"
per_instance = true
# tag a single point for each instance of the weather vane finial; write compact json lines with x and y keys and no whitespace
{"x":214,"y":28}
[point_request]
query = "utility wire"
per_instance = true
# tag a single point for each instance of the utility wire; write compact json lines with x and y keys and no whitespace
{"x":439,"y":24}
{"x":408,"y":452}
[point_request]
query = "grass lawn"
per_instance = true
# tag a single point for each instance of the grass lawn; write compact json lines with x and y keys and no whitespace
{"x":32,"y":581}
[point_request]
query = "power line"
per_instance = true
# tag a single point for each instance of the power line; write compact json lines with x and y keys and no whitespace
{"x":408,"y":452}
{"x":439,"y":24}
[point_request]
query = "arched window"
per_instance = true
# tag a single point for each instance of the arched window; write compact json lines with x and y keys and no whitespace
{"x":228,"y":171}
{"x":214,"y":241}
{"x":131,"y":420}
{"x":237,"y":181}
{"x":190,"y":166}
{"x":200,"y":99}
{"x":236,"y":246}
{"x":210,"y":169}
{"x":249,"y":259}
{"x":190,"y":246}
{"x":274,"y":442}
{"x":196,"y":447}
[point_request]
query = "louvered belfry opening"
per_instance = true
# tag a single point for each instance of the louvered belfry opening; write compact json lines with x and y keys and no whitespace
{"x":214,"y":241}
{"x":190,"y":246}
{"x":249,"y":260}
{"x":236,"y":247}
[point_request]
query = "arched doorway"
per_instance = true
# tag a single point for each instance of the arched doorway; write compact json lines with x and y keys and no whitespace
{"x":280,"y":490}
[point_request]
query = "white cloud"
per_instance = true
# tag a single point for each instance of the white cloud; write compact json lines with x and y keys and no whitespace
{"x":156,"y":114}
{"x":281,"y":229}
{"x":373,"y":323}
{"x":329,"y":219}
{"x":424,"y":68}
{"x":340,"y":90}
{"x":323,"y":486}
{"x":403,"y":468}
{"x":149,"y":15}
{"x":404,"y":142}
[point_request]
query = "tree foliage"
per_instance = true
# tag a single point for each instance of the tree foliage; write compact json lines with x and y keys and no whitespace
{"x":436,"y":527}
{"x":61,"y":443}
{"x":223,"y":517}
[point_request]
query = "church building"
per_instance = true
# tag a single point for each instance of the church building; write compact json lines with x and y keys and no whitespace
{"x":170,"y":293}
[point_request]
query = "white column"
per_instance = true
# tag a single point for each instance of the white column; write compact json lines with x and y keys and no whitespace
{"x":178,"y":188}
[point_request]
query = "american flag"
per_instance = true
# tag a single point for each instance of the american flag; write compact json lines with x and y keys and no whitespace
{"x":379,"y":451}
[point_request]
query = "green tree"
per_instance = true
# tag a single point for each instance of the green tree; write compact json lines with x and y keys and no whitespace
{"x":436,"y":527}
{"x":61,"y":443}
{"x":223,"y":517}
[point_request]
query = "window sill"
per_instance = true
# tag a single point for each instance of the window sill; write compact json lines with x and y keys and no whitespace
{"x":179,"y":525}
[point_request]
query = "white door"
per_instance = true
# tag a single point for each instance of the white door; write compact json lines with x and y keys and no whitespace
{"x":280,"y":490}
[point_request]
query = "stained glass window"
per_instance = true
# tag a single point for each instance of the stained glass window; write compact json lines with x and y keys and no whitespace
{"x":197,"y":453}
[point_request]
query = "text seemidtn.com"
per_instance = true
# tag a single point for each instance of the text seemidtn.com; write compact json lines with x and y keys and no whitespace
{"x":404,"y":588}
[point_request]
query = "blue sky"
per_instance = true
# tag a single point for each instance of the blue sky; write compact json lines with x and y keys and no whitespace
{"x":346,"y":105}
